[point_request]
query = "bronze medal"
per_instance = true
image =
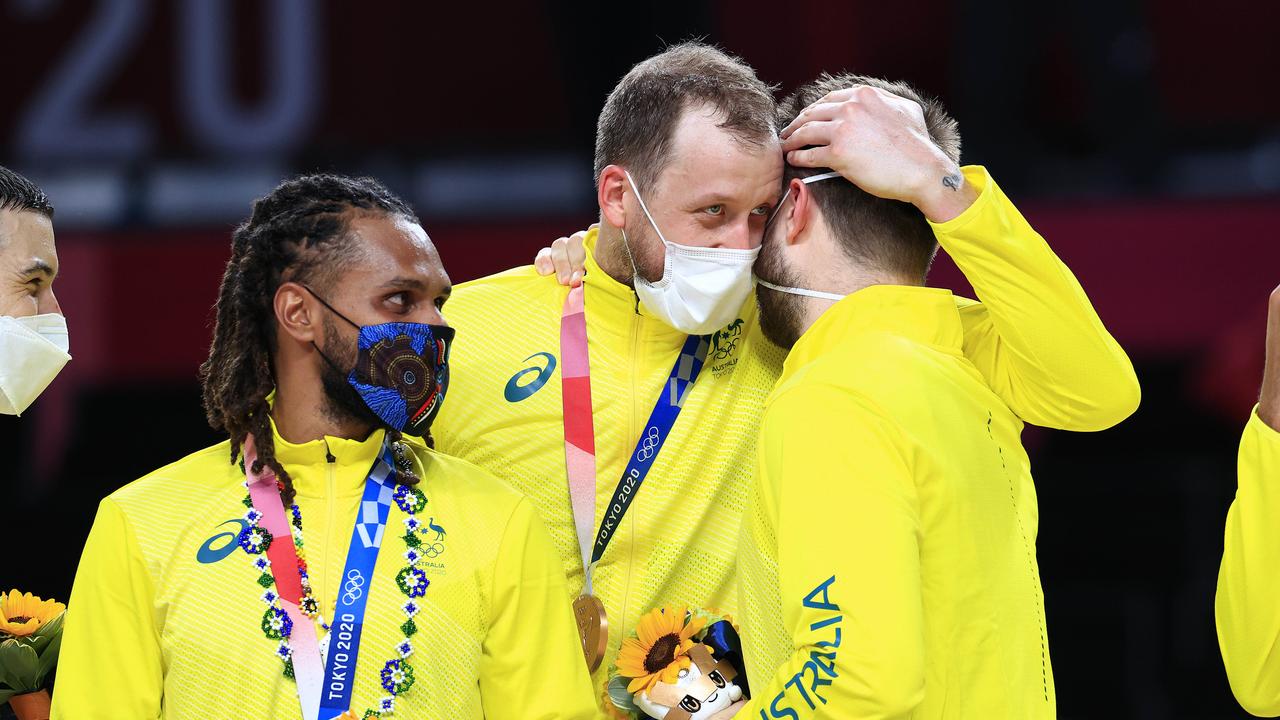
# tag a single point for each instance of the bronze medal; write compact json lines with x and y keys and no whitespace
{"x":593,"y":629}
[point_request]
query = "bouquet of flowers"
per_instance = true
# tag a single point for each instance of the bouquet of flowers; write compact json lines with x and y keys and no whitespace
{"x":679,"y":664}
{"x":30,"y":635}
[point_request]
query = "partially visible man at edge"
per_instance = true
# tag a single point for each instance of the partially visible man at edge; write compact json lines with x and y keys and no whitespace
{"x":687,"y":162}
{"x":33,"y":333}
{"x":887,"y":565}
{"x":1248,"y":600}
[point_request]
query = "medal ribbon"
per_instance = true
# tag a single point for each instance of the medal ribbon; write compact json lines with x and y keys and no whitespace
{"x":663,"y":417}
{"x":325,"y":685}
{"x":579,"y":427}
{"x":579,"y":435}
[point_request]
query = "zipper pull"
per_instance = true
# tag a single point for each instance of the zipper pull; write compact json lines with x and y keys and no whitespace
{"x":328,"y":456}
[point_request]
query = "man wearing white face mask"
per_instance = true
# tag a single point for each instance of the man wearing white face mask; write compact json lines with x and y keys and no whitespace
{"x":638,"y":456}
{"x":33,"y":333}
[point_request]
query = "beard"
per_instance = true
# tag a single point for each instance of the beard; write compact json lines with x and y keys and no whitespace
{"x":341,"y":401}
{"x":781,"y":314}
{"x":641,"y":252}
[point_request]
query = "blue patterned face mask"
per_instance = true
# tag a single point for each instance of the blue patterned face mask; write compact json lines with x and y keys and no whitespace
{"x":401,"y":371}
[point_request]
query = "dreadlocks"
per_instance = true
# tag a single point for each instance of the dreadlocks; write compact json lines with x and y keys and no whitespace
{"x":297,"y":232}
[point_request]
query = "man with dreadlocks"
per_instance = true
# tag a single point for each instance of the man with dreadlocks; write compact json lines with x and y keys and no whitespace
{"x":423,"y":588}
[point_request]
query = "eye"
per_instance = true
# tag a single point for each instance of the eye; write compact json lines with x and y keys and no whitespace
{"x":690,"y":704}
{"x":714,"y":210}
{"x":400,"y":302}
{"x":717,"y":678}
{"x":440,"y":301}
{"x":762,"y":211}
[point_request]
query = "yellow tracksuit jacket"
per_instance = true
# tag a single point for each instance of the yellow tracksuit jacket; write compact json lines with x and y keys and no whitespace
{"x":164,"y":617}
{"x":1042,"y":348}
{"x":888,"y":563}
{"x":1248,"y":601}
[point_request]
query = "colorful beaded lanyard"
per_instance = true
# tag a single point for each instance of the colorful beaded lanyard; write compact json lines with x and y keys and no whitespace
{"x":292,"y":609}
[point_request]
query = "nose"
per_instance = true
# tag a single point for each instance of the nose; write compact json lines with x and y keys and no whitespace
{"x":742,"y":235}
{"x":432,"y":317}
{"x":48,"y":303}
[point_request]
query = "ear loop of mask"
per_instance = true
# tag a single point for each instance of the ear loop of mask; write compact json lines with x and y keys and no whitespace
{"x":626,"y":244}
{"x":834,"y":297}
{"x":807,"y":181}
{"x":801,"y":291}
{"x":325,"y":357}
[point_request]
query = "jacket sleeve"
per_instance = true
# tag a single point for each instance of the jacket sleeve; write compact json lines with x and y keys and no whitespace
{"x":110,"y":663}
{"x":849,"y":570}
{"x":532,"y":666}
{"x":1247,"y":606}
{"x":1035,"y":336}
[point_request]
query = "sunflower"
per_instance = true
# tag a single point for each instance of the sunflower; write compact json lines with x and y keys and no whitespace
{"x":22,"y":615}
{"x":660,"y":649}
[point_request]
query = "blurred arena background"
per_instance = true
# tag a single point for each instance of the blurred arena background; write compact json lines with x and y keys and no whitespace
{"x":1141,"y":138}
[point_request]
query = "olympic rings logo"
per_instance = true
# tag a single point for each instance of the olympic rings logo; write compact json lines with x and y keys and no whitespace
{"x":434,"y":550}
{"x":649,"y":445}
{"x":353,"y":588}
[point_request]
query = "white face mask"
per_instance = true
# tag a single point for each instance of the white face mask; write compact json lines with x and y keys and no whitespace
{"x":32,"y":352}
{"x":701,"y":289}
{"x":795,"y":290}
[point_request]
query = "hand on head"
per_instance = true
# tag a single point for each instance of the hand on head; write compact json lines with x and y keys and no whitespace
{"x":884,"y":143}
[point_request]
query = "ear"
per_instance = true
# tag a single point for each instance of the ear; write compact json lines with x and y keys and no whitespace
{"x":610,"y":190}
{"x":297,"y":312}
{"x":800,"y":215}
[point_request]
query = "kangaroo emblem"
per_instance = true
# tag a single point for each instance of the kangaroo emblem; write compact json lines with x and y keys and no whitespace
{"x":439,"y":531}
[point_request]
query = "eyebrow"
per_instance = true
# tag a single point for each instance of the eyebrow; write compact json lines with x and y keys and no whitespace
{"x":408,"y":283}
{"x":39,"y":267}
{"x":722,"y":199}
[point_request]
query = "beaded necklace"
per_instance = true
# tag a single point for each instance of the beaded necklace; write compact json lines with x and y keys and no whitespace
{"x":397,"y":673}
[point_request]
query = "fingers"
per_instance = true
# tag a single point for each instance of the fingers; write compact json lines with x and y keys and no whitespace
{"x":817,"y":157}
{"x":566,"y":258}
{"x":815,"y":112}
{"x":830,"y":105}
{"x":1273,"y":330}
{"x":577,"y":256}
{"x":1269,"y":398}
{"x":542,"y":262}
{"x":560,"y":258}
{"x":811,"y":133}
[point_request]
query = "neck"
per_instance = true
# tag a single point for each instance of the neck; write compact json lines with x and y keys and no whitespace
{"x":611,"y":256}
{"x":301,"y":417}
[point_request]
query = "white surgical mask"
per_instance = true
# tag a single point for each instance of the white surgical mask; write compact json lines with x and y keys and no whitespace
{"x":32,"y":351}
{"x":701,"y":289}
{"x":795,"y":290}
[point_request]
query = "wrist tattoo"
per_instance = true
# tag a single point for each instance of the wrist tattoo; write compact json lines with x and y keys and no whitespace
{"x":952,"y":181}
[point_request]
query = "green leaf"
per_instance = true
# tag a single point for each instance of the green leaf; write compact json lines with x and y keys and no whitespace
{"x":47,"y":632}
{"x":49,"y":658}
{"x":21,"y":664}
{"x":6,"y":682}
{"x":6,"y":694}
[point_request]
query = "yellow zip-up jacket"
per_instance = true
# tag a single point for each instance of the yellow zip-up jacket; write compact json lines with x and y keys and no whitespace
{"x":1248,"y":601}
{"x":164,"y":619}
{"x":888,"y":550}
{"x":1040,"y":346}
